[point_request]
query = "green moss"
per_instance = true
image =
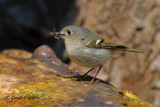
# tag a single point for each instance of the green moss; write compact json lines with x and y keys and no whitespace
{"x":29,"y":82}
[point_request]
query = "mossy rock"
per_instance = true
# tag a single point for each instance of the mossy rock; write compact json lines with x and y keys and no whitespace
{"x":42,"y":79}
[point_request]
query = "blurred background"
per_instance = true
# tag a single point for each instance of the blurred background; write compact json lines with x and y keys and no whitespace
{"x":26,"y":24}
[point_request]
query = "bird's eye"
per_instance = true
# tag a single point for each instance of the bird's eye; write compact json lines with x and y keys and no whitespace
{"x":69,"y":32}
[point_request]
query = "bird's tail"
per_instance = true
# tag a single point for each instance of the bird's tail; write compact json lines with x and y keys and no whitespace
{"x":133,"y":50}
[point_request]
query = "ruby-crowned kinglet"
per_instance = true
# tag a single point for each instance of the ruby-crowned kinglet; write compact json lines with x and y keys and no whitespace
{"x":88,"y":49}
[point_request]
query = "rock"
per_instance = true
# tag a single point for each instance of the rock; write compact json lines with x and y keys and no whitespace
{"x":42,"y":79}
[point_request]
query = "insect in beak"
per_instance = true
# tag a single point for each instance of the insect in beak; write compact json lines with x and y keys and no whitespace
{"x":56,"y":34}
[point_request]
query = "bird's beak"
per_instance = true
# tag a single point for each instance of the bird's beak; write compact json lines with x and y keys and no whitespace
{"x":57,"y":34}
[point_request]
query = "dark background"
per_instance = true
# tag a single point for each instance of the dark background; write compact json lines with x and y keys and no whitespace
{"x":26,"y":24}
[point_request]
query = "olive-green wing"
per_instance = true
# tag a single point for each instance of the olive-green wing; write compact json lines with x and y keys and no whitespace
{"x":106,"y":44}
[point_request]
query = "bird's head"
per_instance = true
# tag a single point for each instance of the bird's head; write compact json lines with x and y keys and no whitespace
{"x":72,"y":32}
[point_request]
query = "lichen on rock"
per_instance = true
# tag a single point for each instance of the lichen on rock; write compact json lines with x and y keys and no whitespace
{"x":40,"y":78}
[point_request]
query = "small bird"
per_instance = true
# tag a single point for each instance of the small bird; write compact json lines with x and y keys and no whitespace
{"x":88,"y":49}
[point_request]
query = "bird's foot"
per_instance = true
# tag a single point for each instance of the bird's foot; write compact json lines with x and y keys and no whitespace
{"x":92,"y":81}
{"x":82,"y":78}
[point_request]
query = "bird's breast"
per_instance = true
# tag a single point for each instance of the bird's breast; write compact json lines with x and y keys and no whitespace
{"x":88,"y":57}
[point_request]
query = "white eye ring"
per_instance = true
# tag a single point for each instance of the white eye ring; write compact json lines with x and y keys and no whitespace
{"x":69,"y":32}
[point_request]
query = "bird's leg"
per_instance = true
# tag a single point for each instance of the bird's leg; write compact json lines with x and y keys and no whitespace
{"x":92,"y":81}
{"x":87,"y":72}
